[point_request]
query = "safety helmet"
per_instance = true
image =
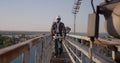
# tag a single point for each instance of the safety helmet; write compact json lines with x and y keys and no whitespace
{"x":58,"y":18}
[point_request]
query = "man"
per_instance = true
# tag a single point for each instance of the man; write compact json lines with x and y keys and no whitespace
{"x":58,"y":33}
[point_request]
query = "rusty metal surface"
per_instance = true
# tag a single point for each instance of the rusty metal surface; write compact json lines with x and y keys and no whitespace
{"x":42,"y":43}
{"x":63,"y":58}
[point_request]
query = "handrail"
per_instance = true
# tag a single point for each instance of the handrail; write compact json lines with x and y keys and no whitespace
{"x":95,"y":57}
{"x":74,"y":54}
{"x":72,"y":60}
{"x":106,"y":42}
{"x":79,"y":37}
{"x":9,"y":53}
{"x":13,"y":47}
{"x":97,"y":41}
{"x":92,"y":55}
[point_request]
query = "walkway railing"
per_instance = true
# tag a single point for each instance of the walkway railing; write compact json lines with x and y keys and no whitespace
{"x":82,"y":50}
{"x":36,"y":50}
{"x":79,"y":48}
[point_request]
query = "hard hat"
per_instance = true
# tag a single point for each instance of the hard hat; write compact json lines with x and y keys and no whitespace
{"x":58,"y":17}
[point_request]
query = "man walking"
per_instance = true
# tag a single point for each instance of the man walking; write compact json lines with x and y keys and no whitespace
{"x":58,"y":33}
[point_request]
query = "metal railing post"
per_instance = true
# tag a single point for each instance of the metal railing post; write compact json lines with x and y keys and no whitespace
{"x":26,"y":56}
{"x":90,"y":48}
{"x":86,"y":48}
{"x":90,"y":51}
{"x":114,"y":52}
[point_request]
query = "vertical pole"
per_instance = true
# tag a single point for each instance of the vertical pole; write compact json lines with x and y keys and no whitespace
{"x":114,"y":51}
{"x":82,"y":55}
{"x":38,"y":53}
{"x":75,"y":31}
{"x":74,"y":23}
{"x":97,"y":22}
{"x":23,"y":59}
{"x":76,"y":51}
{"x":90,"y":49}
{"x":26,"y":56}
{"x":113,"y":55}
{"x":36,"y":58}
{"x":43,"y":50}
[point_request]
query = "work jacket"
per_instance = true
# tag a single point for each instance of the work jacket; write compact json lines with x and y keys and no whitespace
{"x":62,"y":30}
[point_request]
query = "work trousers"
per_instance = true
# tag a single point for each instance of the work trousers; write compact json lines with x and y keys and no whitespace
{"x":58,"y":47}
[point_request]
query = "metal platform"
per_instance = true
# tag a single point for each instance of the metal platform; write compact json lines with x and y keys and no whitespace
{"x":63,"y":58}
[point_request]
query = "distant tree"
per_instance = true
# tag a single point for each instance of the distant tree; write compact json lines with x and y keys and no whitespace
{"x":6,"y":41}
{"x":1,"y":41}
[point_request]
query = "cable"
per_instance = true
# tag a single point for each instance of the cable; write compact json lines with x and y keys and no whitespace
{"x":93,"y":6}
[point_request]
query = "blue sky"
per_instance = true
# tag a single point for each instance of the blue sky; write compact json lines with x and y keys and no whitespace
{"x":38,"y":15}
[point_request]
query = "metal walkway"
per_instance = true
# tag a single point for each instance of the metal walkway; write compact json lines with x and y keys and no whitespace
{"x":63,"y":58}
{"x":77,"y":49}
